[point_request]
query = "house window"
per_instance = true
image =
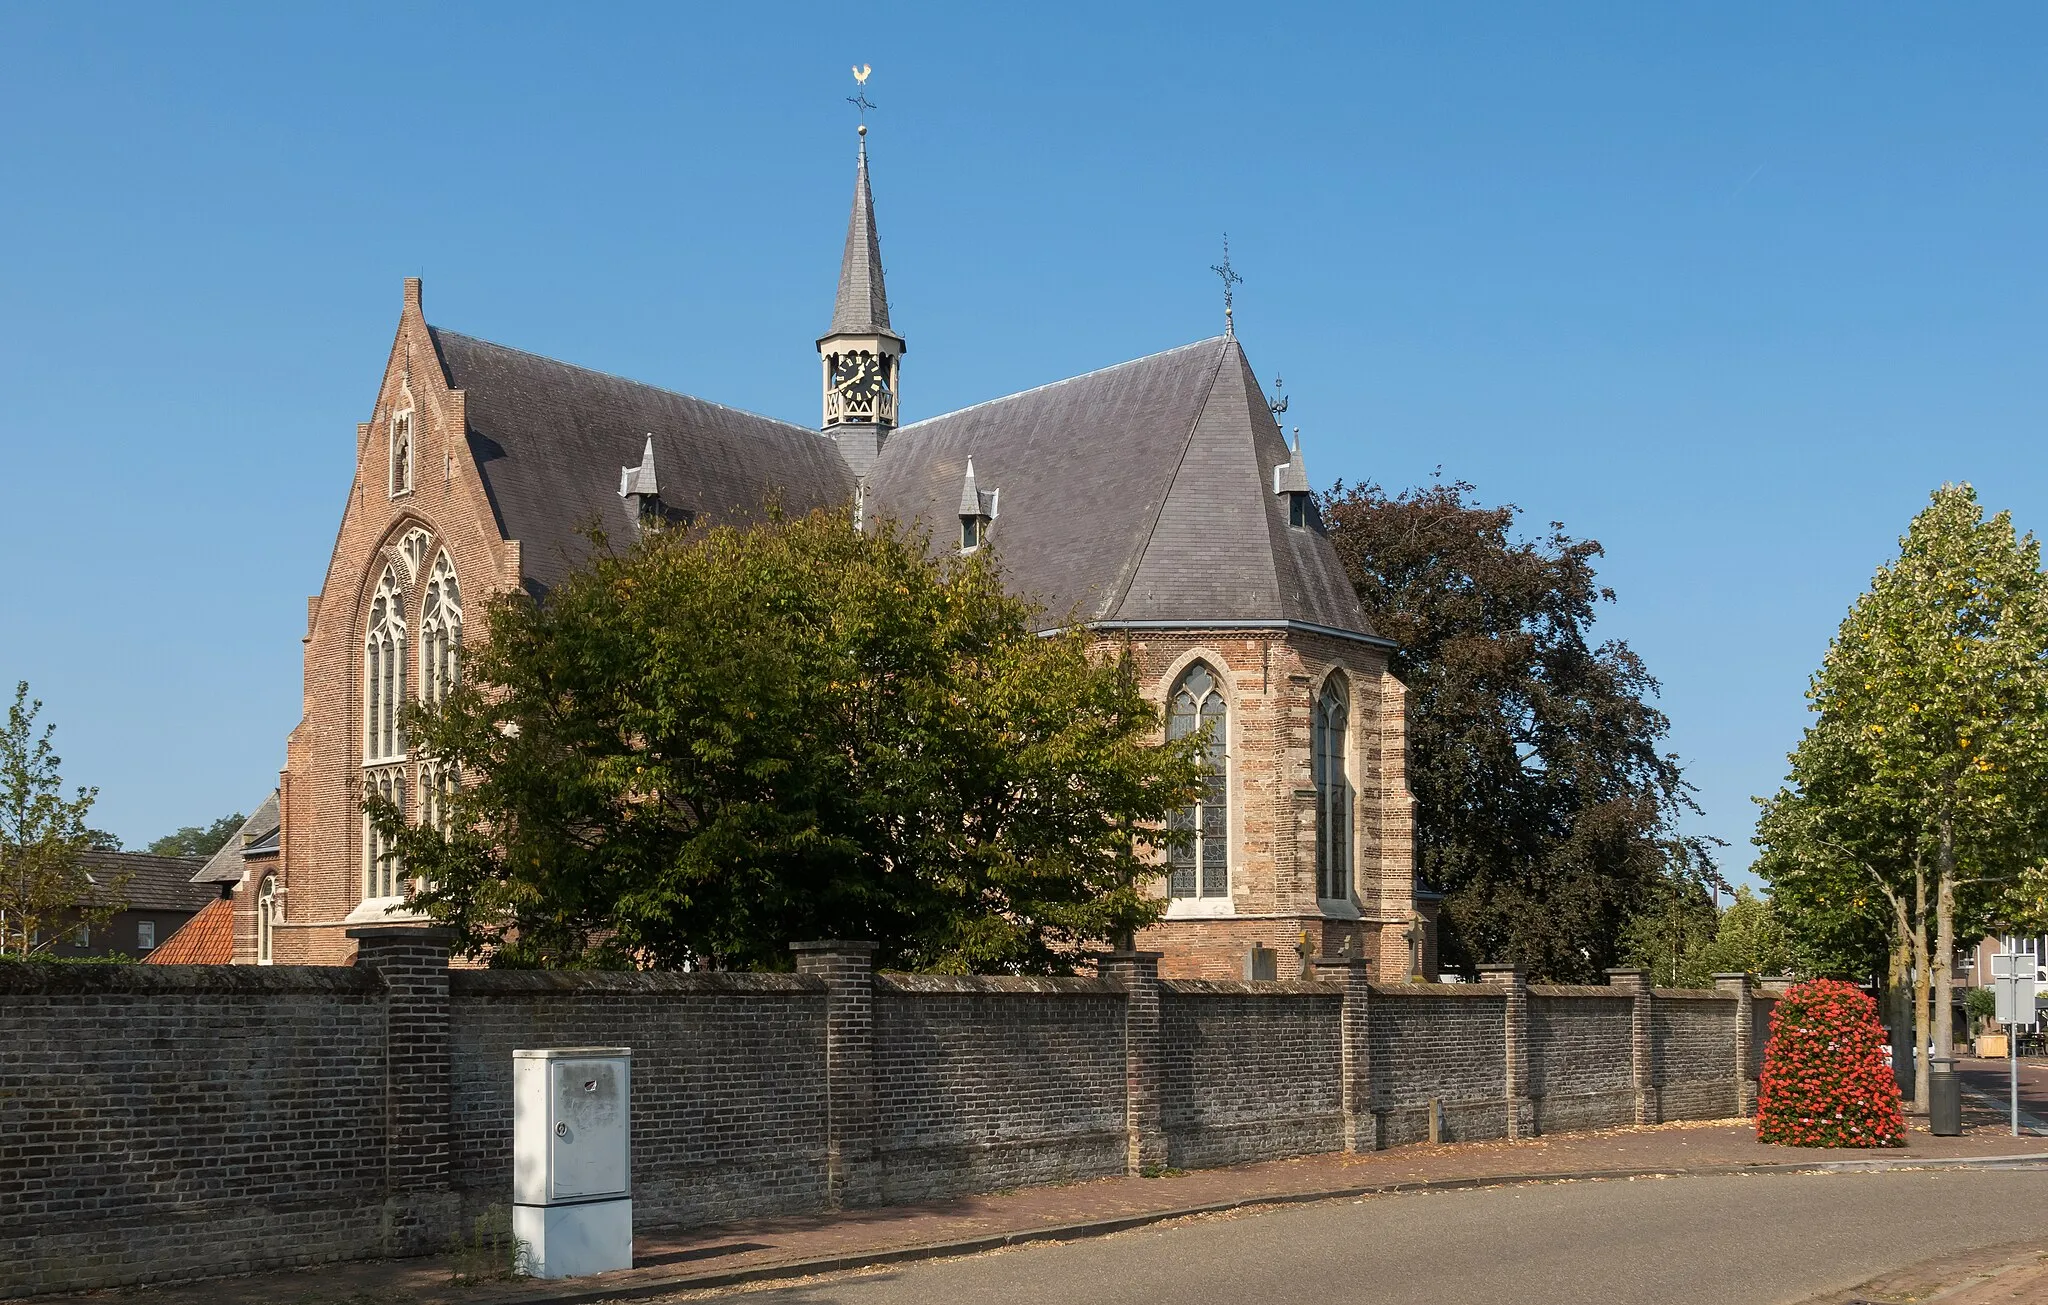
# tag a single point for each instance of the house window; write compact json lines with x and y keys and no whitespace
{"x":440,"y":632}
{"x":1299,"y":512}
{"x":266,"y":918}
{"x":973,"y":533}
{"x":1200,"y":867}
{"x":145,"y":935}
{"x":401,"y":453}
{"x":1328,"y":764}
{"x":384,"y":672}
{"x":82,"y":938}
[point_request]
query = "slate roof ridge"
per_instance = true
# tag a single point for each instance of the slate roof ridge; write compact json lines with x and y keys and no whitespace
{"x":436,"y":332}
{"x":902,"y":431}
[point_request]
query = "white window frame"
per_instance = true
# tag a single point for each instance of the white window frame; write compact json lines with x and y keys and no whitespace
{"x":1201,"y":902}
{"x":1340,"y":807}
{"x":268,"y":909}
{"x":145,"y":935}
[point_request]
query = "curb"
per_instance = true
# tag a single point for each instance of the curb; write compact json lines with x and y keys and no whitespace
{"x":805,"y":1268}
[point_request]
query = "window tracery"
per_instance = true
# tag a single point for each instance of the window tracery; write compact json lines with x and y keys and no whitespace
{"x":412,"y":552}
{"x":384,"y":672}
{"x":1201,"y":866}
{"x":1331,"y":773}
{"x":381,"y":877}
{"x":440,"y":632}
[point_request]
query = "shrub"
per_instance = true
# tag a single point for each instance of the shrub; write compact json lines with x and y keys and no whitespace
{"x":1824,"y":1080}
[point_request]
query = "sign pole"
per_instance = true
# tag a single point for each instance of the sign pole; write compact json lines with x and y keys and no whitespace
{"x":2012,"y":1062}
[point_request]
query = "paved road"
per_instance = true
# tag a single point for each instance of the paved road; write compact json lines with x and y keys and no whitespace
{"x":1746,"y":1240}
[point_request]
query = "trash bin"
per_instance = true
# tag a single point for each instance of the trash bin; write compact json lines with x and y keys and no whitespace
{"x":1944,"y":1098}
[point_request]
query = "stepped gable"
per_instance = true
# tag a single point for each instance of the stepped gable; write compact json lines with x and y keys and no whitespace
{"x":1141,"y":492}
{"x":549,"y":439}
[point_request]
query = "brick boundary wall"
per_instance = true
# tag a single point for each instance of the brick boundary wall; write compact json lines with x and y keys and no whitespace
{"x":166,"y":1123}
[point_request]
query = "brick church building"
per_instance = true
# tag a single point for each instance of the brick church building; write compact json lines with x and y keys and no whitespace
{"x":1156,"y":499}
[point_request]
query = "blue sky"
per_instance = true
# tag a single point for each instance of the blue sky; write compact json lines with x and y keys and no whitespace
{"x":1726,"y":287}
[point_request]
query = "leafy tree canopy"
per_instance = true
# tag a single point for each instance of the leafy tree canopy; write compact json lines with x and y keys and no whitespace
{"x":1684,"y":942}
{"x":199,"y":840}
{"x":711,"y":744}
{"x":1546,"y":811}
{"x":43,"y":887}
{"x":1926,"y":762}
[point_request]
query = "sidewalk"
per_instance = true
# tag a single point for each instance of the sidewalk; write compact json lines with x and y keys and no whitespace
{"x":796,"y":1245}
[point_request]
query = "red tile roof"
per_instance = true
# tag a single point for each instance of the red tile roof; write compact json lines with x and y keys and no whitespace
{"x":208,"y":938}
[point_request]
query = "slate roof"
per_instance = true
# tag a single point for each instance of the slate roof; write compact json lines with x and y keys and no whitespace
{"x":863,"y":304}
{"x":549,"y":439}
{"x":259,"y":830}
{"x":1141,"y":492}
{"x":208,"y":938}
{"x":155,"y":883}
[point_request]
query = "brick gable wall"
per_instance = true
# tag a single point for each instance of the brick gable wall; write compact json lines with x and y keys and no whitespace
{"x":320,"y":859}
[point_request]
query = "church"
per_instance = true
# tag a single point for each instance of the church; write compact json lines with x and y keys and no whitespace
{"x":1155,"y":501}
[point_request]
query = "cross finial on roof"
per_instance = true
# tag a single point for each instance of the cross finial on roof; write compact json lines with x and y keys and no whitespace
{"x":859,"y":99}
{"x":1230,"y":279}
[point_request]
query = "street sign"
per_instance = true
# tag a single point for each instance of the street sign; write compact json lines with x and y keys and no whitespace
{"x":2015,"y":996}
{"x":2003,"y":964}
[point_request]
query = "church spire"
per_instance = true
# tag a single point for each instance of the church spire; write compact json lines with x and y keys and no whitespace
{"x":863,"y":304}
{"x":860,"y":351}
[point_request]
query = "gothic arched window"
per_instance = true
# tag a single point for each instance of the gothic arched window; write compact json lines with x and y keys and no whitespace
{"x":266,"y":918}
{"x":380,"y":862}
{"x":384,"y":672}
{"x":1201,"y":866}
{"x":440,"y":632}
{"x":1331,"y":772}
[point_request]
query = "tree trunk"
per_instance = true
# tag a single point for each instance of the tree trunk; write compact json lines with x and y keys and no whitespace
{"x":1922,"y":996}
{"x":1944,"y":940}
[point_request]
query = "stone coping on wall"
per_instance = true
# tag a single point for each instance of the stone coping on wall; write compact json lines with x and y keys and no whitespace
{"x":623,"y":983}
{"x":28,"y":977}
{"x":1251,"y":988}
{"x":1579,"y":990}
{"x":1691,"y":994}
{"x":941,"y":985}
{"x":1491,"y":990}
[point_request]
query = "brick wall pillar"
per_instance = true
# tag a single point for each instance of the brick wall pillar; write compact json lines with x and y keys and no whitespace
{"x":848,"y":969}
{"x":412,"y":961}
{"x":1361,"y":1126}
{"x":1745,"y":1036}
{"x":1521,"y":1110}
{"x":1636,"y":983}
{"x":1137,"y":973}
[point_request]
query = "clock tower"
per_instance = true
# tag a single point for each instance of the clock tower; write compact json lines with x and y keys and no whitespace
{"x":860,"y":355}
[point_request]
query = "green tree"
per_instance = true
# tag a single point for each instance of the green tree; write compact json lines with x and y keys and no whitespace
{"x":1669,"y":936}
{"x":701,"y":748}
{"x":1918,"y":789}
{"x":1749,"y":939}
{"x":44,"y":889}
{"x":1546,"y":810}
{"x":199,"y":840}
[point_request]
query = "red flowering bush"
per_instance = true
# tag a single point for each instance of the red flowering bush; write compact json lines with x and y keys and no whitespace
{"x":1824,"y":1080}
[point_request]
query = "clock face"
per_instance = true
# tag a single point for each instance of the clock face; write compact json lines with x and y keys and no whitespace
{"x":859,"y":375}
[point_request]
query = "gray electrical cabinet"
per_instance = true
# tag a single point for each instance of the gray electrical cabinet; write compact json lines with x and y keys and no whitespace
{"x":572,"y":1159}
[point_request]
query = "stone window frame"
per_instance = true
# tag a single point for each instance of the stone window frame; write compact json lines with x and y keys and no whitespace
{"x":399,"y":478}
{"x":440,"y":640}
{"x":1198,"y":907}
{"x":1348,"y":904}
{"x":268,"y":909}
{"x":385,"y":667}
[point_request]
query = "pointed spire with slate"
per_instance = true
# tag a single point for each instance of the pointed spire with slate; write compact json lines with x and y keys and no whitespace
{"x":863,"y":304}
{"x":640,"y":479}
{"x":861,"y":351}
{"x":1291,"y":478}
